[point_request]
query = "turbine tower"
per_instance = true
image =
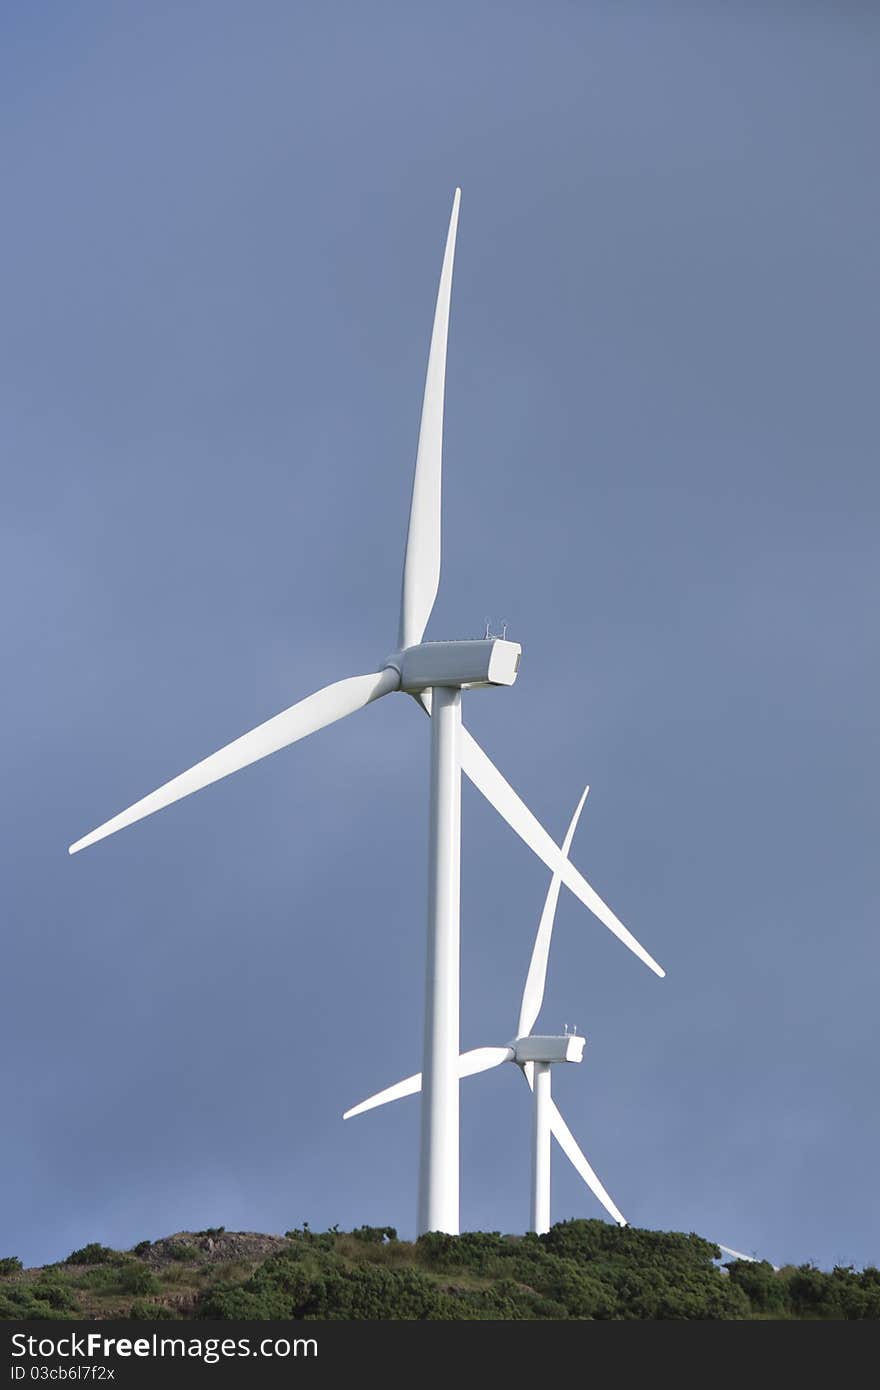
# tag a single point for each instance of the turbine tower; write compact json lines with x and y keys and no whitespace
{"x":534,"y":1055}
{"x":435,"y":673}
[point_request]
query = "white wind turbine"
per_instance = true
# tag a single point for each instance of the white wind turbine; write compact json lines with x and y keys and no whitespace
{"x":534,"y":1055}
{"x":435,"y":673}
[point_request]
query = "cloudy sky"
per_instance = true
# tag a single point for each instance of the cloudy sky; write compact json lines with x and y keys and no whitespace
{"x":222,"y":229}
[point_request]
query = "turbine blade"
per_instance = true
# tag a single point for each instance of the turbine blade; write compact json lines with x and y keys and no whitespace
{"x":408,"y":1087}
{"x":570,"y":1147}
{"x":737,"y":1255}
{"x":421,"y":566}
{"x":486,"y":777}
{"x":533,"y":993}
{"x":469,"y":1063}
{"x":306,"y":717}
{"x":483,"y":1059}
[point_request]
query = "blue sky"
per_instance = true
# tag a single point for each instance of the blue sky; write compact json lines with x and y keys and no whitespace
{"x":223,"y":228}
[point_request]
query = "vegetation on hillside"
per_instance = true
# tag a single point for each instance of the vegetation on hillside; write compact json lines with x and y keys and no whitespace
{"x":580,"y":1269}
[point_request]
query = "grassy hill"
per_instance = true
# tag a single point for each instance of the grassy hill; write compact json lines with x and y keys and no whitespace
{"x":580,"y":1269}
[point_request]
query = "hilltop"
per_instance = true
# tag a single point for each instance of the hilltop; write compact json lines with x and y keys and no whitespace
{"x":580,"y":1269}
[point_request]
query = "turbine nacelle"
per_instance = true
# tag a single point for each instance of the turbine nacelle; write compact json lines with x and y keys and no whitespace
{"x":464,"y":665}
{"x":569,"y":1048}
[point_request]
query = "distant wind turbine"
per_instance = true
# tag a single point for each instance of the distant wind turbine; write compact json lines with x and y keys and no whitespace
{"x":435,"y":673}
{"x":534,"y":1055}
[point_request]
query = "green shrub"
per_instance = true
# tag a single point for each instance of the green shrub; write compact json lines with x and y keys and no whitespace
{"x":142,"y":1247}
{"x":375,"y":1293}
{"x":92,"y":1254}
{"x":814,"y":1294}
{"x":321,"y":1240}
{"x":566,"y":1282}
{"x":182,"y":1250}
{"x":10,"y":1264}
{"x":374,"y":1235}
{"x":579,"y":1269}
{"x":845,"y":1293}
{"x":21,"y":1302}
{"x":474,"y":1250}
{"x":760,"y":1283}
{"x":135,"y":1278}
{"x":58,"y":1295}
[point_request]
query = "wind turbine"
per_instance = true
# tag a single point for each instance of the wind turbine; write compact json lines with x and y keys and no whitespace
{"x":435,"y":673}
{"x":534,"y":1055}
